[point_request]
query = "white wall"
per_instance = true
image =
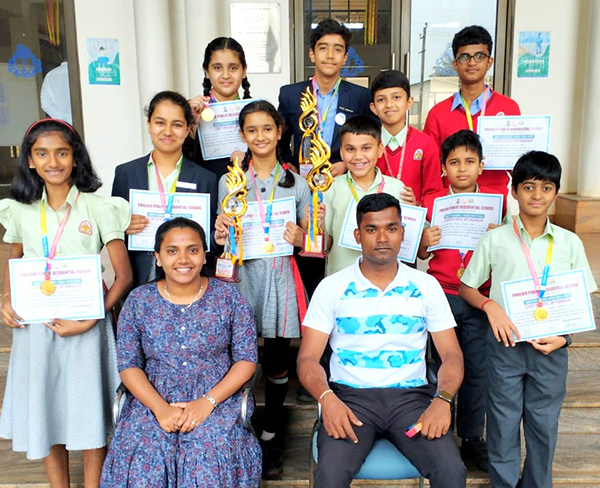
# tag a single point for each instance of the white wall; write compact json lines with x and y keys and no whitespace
{"x":561,"y":94}
{"x":161,"y":46}
{"x":111,"y":113}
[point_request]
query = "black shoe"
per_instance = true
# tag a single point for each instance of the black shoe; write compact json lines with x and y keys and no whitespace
{"x":473,"y":449}
{"x":303,"y":396}
{"x":272,"y":467}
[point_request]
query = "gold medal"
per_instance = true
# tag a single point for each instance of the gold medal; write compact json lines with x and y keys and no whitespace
{"x":459,"y":272}
{"x":540,"y":314}
{"x":208,"y":114}
{"x":268,"y":247}
{"x":48,"y":288}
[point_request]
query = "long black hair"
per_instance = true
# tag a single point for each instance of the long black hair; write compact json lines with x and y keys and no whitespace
{"x":27,"y":185}
{"x":287,"y":180}
{"x":221,"y":44}
{"x":177,"y":223}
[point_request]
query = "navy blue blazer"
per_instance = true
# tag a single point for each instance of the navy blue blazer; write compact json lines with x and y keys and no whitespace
{"x":134,"y":175}
{"x":353,"y":100}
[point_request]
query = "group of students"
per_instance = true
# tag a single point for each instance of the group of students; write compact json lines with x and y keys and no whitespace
{"x":62,"y":374}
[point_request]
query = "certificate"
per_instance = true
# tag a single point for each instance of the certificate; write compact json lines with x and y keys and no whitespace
{"x":78,"y":294}
{"x":221,"y":136}
{"x":194,"y":206}
{"x":464,"y":218}
{"x":253,"y":236}
{"x":505,"y":139}
{"x":413,"y":220}
{"x":566,"y":299}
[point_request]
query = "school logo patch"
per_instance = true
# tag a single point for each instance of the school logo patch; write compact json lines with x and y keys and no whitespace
{"x":418,"y":156}
{"x":85,"y":227}
{"x":500,"y":114}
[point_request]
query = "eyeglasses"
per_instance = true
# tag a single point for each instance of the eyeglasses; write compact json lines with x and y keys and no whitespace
{"x":478,"y":57}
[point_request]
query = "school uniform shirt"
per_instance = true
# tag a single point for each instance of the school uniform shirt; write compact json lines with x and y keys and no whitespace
{"x":94,"y":220}
{"x":449,"y":116}
{"x":337,"y":201}
{"x":61,"y":388}
{"x":378,"y":337}
{"x":499,"y":254}
{"x":444,"y":263}
{"x":421,"y":169}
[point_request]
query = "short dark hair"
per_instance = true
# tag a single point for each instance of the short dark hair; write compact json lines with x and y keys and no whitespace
{"x":177,"y":223}
{"x":361,"y":124}
{"x":176,"y":99}
{"x":537,"y":165}
{"x":463,"y":138}
{"x":390,"y":79}
{"x":330,"y":26}
{"x":473,"y":34}
{"x":376,"y":202}
{"x":27,"y":185}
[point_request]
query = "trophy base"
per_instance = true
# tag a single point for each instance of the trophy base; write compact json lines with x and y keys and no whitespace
{"x":313,"y":249}
{"x":225,"y":270}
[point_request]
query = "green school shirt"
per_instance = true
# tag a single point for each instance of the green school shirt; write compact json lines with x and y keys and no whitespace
{"x":94,"y":220}
{"x":337,"y":200}
{"x":394,"y":142}
{"x":499,"y":253}
{"x":167,"y":182}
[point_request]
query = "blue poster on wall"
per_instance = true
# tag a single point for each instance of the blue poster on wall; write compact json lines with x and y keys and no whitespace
{"x":104,"y":65}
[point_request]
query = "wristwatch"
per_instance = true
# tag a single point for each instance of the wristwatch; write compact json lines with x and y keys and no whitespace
{"x":444,"y":395}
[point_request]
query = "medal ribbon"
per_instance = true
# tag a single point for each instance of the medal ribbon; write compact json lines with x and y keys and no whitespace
{"x":353,"y":190}
{"x":51,"y":252}
{"x":462,"y":258}
{"x":313,"y":228}
{"x":323,"y":118}
{"x":540,"y":287}
{"x":166,"y":206}
{"x":265,"y":217}
{"x":468,"y":109}
{"x":387,"y":162}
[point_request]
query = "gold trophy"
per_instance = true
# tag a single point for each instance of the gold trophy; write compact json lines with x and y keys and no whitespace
{"x":234,"y":205}
{"x":314,"y":150}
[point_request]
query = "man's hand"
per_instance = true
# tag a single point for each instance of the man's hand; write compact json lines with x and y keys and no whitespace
{"x":436,"y":419}
{"x":546,"y":345}
{"x":502,"y":326}
{"x":338,"y":418}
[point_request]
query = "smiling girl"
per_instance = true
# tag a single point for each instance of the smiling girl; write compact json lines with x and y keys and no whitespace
{"x":164,"y":169}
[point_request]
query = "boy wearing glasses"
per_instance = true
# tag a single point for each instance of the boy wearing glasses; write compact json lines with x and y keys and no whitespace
{"x":472,"y":50}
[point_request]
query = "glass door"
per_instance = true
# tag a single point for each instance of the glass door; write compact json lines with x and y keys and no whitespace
{"x":34,"y":74}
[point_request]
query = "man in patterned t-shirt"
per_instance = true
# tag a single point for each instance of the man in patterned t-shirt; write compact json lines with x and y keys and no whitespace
{"x":376,"y":316}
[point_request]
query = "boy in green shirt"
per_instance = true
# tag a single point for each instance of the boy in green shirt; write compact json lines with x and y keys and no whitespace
{"x":526,"y":380}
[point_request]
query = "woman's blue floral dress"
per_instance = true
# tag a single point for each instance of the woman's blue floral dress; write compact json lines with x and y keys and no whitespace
{"x":184,"y":352}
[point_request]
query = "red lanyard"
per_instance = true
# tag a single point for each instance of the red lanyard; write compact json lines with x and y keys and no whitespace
{"x":265,"y":216}
{"x":167,"y":207}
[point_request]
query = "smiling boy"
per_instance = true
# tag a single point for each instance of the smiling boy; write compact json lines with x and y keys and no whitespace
{"x":361,"y":147}
{"x":472,"y":50}
{"x":409,"y":154}
{"x":526,"y":380}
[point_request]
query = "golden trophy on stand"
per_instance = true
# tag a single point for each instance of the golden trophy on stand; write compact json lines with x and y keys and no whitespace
{"x":314,"y":151}
{"x":234,"y":205}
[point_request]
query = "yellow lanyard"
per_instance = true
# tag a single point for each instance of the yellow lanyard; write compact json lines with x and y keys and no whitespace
{"x":468,"y":110}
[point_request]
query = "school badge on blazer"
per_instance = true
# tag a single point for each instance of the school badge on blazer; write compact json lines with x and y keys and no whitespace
{"x":85,"y":227}
{"x":418,"y":156}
